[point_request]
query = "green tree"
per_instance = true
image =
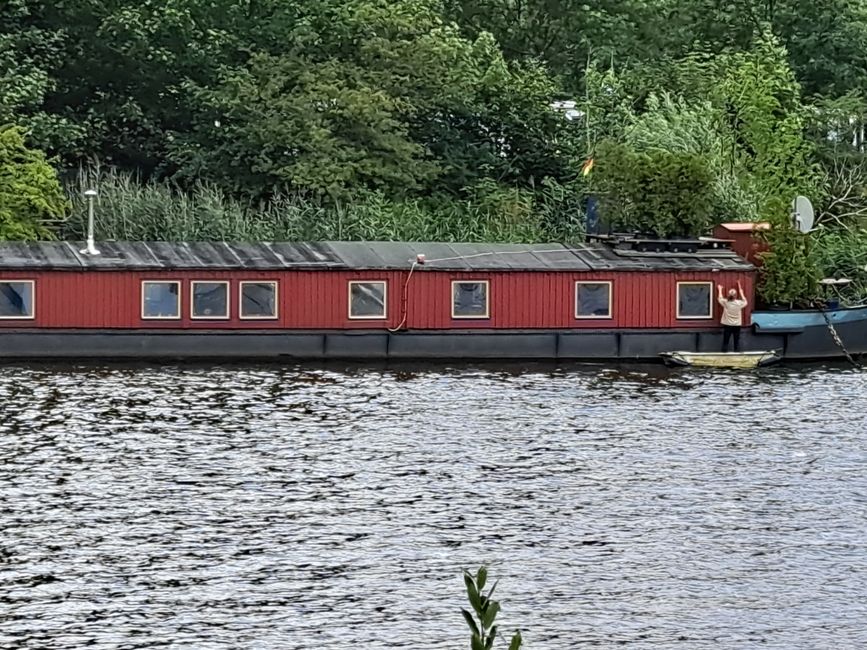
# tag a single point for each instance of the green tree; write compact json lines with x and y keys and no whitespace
{"x":609,"y":106}
{"x":28,"y":55}
{"x":768,"y":119}
{"x":699,"y":128}
{"x":30,"y":193}
{"x":565,"y":35}
{"x":373,"y":95}
{"x":826,"y":41}
{"x":293,"y":124}
{"x":373,"y":103}
{"x":741,"y":114}
{"x":494,"y":121}
{"x":117,"y":77}
{"x":789,"y":273}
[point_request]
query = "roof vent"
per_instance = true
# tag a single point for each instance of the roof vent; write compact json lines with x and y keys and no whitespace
{"x":90,"y":249}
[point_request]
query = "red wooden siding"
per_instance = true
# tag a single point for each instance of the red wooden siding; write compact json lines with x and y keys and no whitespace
{"x":745,"y":243}
{"x":547,"y":300}
{"x":319,"y":299}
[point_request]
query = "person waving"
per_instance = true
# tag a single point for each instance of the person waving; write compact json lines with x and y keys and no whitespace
{"x":732,"y":316}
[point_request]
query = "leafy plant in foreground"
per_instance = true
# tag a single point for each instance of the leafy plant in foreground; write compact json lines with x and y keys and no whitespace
{"x":484,"y":632}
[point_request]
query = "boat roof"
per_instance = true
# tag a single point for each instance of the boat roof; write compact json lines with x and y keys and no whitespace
{"x":270,"y":256}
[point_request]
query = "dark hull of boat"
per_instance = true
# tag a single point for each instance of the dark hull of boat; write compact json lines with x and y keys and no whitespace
{"x":807,"y":334}
{"x":809,"y":342}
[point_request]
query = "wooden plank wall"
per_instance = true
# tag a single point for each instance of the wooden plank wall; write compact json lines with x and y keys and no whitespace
{"x":319,"y":299}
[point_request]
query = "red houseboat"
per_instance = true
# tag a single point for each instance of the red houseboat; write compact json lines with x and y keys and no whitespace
{"x":373,"y":300}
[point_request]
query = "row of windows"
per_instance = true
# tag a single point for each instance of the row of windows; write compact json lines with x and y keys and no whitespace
{"x":210,"y":300}
{"x":161,"y":299}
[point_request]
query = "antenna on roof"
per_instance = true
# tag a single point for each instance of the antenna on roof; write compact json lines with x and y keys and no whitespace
{"x":802,"y":214}
{"x":90,"y":249}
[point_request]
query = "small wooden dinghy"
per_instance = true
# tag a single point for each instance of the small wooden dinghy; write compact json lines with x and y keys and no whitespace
{"x":722,"y":359}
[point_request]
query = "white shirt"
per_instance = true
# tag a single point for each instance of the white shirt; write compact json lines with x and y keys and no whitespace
{"x":732,"y":311}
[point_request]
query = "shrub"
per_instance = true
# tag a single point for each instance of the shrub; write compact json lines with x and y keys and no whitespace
{"x":659,"y":192}
{"x":30,"y":192}
{"x":789,"y":274}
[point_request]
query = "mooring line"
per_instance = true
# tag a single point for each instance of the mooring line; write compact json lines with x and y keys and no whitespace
{"x":834,"y":335}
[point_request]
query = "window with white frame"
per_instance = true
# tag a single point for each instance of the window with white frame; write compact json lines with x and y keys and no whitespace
{"x":258,"y":300}
{"x":592,"y":300}
{"x":367,"y":299}
{"x":209,"y":299}
{"x":160,"y":299}
{"x":470,"y":299}
{"x":16,"y":298}
{"x":694,"y":300}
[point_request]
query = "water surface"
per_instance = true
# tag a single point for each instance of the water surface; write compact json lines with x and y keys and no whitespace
{"x":328,"y":507}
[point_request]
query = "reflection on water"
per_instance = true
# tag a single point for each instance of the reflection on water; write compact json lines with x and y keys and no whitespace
{"x":300,"y":507}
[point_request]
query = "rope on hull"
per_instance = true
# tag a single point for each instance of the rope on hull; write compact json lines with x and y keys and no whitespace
{"x":834,"y":335}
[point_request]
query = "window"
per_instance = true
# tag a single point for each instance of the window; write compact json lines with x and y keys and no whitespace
{"x":694,"y":300}
{"x":592,"y":300}
{"x":160,"y":299}
{"x":16,"y":299}
{"x":367,"y":300}
{"x":258,"y":300}
{"x":209,"y":299}
{"x":470,"y":299}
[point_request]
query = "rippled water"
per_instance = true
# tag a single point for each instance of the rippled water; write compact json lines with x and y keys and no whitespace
{"x":290,"y":507}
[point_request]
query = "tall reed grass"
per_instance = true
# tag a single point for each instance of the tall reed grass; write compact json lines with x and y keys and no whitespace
{"x":128,"y":209}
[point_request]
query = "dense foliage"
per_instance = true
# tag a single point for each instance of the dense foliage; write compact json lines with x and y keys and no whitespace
{"x":30,"y":193}
{"x":660,"y":192}
{"x":432,"y":119}
{"x":788,"y":273}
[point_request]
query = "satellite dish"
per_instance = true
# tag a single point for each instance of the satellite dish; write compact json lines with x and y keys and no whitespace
{"x":802,"y":214}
